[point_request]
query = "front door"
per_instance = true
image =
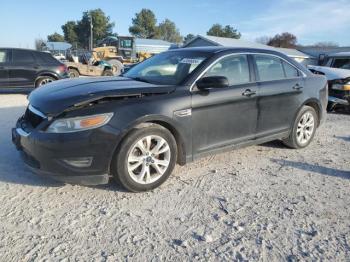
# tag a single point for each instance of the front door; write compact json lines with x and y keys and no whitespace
{"x":280,"y":94}
{"x":225,"y":116}
{"x":4,"y":76}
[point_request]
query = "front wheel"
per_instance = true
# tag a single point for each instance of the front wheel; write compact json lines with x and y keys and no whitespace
{"x":304,"y":128}
{"x":145,"y":159}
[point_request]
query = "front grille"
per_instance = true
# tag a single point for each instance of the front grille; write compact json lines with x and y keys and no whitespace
{"x":32,"y":118}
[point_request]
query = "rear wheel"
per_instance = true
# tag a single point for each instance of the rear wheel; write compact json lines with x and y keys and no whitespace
{"x":73,"y":73}
{"x":146,"y":158}
{"x":107,"y":73}
{"x":117,"y":65}
{"x":304,"y":128}
{"x":44,"y":80}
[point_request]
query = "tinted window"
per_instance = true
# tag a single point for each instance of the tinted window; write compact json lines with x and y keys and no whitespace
{"x":269,"y":67}
{"x":3,"y":56}
{"x":45,"y":58}
{"x":22,"y":56}
{"x":290,"y":71}
{"x":343,"y":63}
{"x":234,"y":67}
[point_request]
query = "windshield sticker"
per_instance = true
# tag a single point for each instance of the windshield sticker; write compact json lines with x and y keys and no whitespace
{"x":191,"y":61}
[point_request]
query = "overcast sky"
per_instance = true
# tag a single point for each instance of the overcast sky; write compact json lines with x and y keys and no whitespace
{"x":22,"y":21}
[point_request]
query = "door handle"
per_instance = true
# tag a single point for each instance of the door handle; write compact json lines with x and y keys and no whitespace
{"x":297,"y":87}
{"x":249,"y":93}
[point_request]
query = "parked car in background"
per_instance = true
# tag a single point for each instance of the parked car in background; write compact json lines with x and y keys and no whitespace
{"x":172,"y":108}
{"x":339,"y":60}
{"x":23,"y":68}
{"x":88,"y":67}
{"x":338,"y":86}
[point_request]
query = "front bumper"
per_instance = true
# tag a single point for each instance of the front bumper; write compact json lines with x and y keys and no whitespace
{"x":46,"y":153}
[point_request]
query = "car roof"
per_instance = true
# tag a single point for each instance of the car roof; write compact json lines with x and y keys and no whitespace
{"x":23,"y":49}
{"x":340,"y":54}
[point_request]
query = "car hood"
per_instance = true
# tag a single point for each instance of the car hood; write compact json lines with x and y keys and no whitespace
{"x":332,"y":73}
{"x":56,"y":97}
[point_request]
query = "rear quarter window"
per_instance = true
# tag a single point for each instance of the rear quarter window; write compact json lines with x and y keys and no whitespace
{"x":291,"y":71}
{"x":45,"y":58}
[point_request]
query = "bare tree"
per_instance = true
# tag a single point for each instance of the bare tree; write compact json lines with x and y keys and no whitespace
{"x":39,"y":44}
{"x":286,"y":40}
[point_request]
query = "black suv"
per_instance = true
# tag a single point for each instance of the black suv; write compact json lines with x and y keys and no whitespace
{"x":172,"y":108}
{"x":22,"y":68}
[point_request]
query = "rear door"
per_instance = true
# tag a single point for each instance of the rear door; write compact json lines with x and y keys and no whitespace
{"x":280,"y":94}
{"x":23,"y":68}
{"x":225,"y":116}
{"x":4,"y":75}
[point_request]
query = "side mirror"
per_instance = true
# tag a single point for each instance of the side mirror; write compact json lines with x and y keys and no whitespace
{"x":212,"y":82}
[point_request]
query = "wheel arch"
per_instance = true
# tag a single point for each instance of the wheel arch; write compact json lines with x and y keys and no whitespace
{"x":75,"y":68}
{"x":315,"y":104}
{"x":161,"y":121}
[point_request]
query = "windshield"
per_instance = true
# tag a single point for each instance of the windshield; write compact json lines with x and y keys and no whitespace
{"x":169,"y":68}
{"x":343,"y":63}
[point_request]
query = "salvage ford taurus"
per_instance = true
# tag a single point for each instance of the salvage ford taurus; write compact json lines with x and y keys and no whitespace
{"x":172,"y":108}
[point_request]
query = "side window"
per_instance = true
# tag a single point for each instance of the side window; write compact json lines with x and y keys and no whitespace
{"x":269,"y":67}
{"x":291,"y":72}
{"x":22,"y":56}
{"x":44,"y":58}
{"x":234,"y":67}
{"x":3,"y":56}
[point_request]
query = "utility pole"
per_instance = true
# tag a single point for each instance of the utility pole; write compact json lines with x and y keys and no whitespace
{"x":91,"y":44}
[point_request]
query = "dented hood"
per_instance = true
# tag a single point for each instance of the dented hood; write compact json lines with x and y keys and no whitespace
{"x":58,"y":96}
{"x":332,"y":73}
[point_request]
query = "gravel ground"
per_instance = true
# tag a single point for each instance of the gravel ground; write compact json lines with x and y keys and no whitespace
{"x":266,"y":203}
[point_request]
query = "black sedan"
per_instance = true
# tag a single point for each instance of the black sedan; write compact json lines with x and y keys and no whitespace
{"x":24,"y":69}
{"x":172,"y":108}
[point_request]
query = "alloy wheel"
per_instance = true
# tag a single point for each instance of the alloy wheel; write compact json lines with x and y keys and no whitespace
{"x":305,"y":128}
{"x":148,"y":159}
{"x":45,"y":81}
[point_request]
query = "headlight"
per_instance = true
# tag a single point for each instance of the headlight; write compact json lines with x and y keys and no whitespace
{"x":75,"y":124}
{"x":345,"y":87}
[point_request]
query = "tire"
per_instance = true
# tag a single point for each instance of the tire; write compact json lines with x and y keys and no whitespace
{"x":44,"y":80}
{"x":129,"y":165}
{"x":304,"y":128}
{"x":107,"y":73}
{"x":117,"y":65}
{"x":73,"y":73}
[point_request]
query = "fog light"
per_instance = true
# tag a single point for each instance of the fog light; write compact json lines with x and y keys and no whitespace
{"x":79,"y":161}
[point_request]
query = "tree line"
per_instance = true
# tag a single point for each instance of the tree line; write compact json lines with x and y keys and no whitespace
{"x":144,"y":25}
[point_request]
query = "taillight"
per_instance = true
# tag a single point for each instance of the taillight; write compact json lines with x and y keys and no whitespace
{"x":63,"y":69}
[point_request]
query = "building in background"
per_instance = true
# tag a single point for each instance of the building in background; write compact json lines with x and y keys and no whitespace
{"x":201,"y":40}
